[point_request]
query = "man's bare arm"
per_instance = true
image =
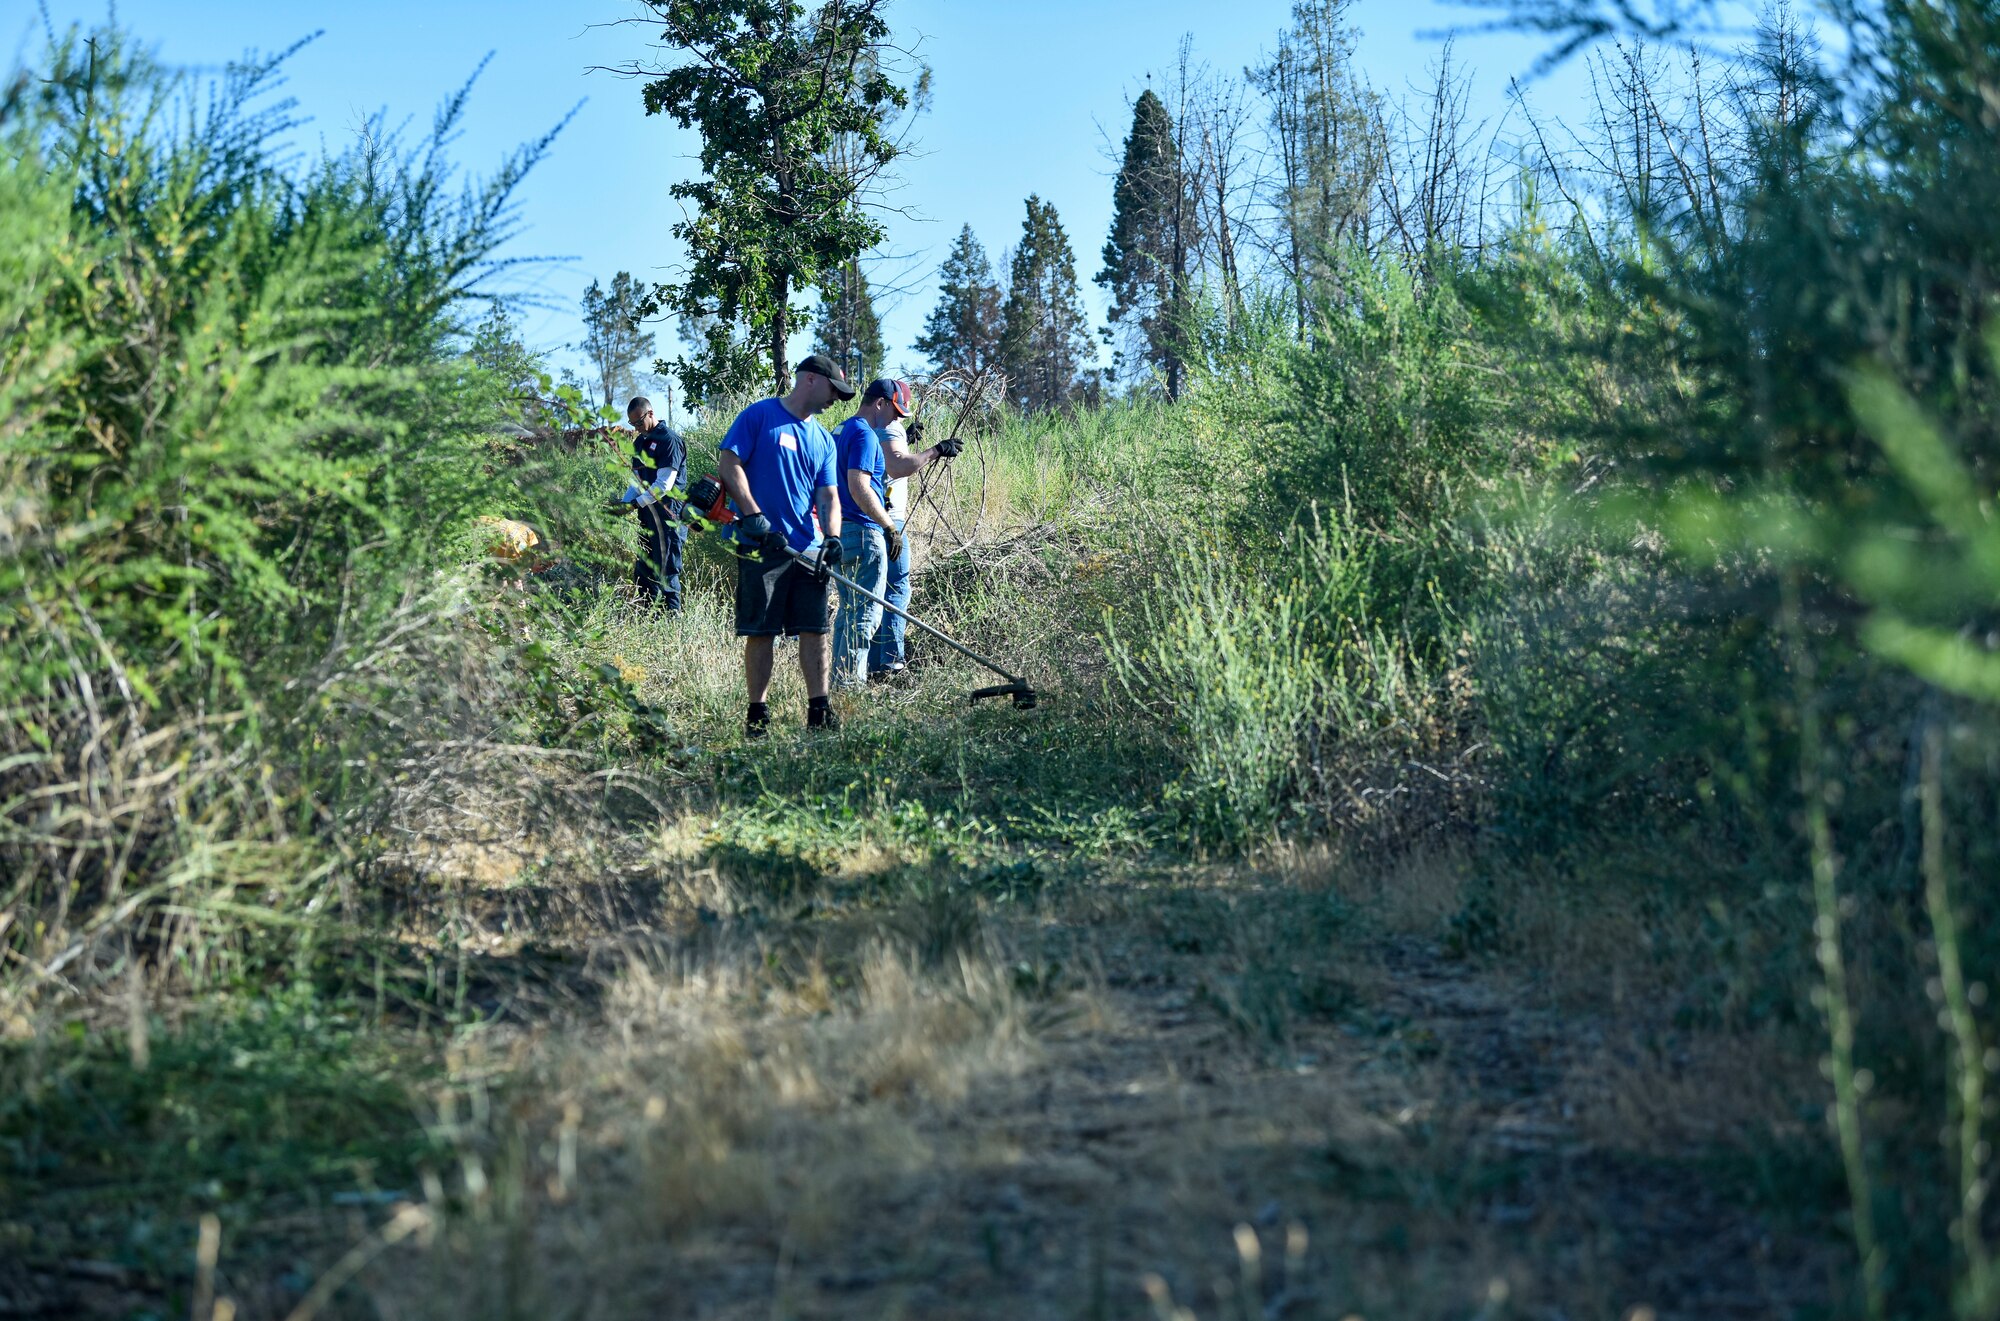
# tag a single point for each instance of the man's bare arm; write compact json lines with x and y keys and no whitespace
{"x":829,"y":512}
{"x":899,"y":460}
{"x":862,"y":492}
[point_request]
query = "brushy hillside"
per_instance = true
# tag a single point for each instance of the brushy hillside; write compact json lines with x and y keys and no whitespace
{"x":1506,"y":833}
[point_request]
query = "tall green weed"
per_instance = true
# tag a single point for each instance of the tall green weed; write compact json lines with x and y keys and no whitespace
{"x":1240,"y":658}
{"x":1222,"y":662}
{"x":1391,"y":405}
{"x":239,"y":443}
{"x":1791,"y":405}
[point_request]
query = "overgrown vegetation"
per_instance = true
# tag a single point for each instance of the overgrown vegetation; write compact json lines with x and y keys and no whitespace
{"x":1518,"y":753}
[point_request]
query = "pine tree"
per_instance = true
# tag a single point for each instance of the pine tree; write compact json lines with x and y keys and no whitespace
{"x":498,"y":350}
{"x":964,"y":328}
{"x":1045,"y":343}
{"x":848,"y":330}
{"x":1146,"y":257}
{"x":612,"y":338}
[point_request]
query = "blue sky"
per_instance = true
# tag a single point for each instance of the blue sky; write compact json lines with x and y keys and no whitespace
{"x":1030,"y":96}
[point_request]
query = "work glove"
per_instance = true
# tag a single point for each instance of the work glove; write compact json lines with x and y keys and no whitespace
{"x":950,"y":447}
{"x":756,"y":539}
{"x":619,"y":506}
{"x":895,"y":540}
{"x":915,"y":431}
{"x":830,"y":553}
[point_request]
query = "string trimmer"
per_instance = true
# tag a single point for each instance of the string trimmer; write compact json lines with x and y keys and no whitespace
{"x":708,"y":506}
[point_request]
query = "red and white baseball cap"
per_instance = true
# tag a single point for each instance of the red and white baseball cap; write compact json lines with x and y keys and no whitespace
{"x":895,"y":391}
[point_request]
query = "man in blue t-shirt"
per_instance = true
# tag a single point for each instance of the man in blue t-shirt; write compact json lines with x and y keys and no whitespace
{"x":869,"y":538}
{"x":885,"y":656}
{"x":779,"y":467}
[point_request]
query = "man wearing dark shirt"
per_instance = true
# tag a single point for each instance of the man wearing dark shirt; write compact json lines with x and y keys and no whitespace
{"x":659,"y":462}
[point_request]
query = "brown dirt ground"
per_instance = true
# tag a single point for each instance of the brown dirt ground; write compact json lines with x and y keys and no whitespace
{"x":1081,"y":1108}
{"x":1408,"y":1135}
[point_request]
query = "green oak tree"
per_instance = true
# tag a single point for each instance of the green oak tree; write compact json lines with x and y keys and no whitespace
{"x":796,"y":107}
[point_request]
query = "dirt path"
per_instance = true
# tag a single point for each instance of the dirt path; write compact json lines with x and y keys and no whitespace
{"x":1201,"y":1090}
{"x":1372,"y":1130}
{"x":1429,"y":1153}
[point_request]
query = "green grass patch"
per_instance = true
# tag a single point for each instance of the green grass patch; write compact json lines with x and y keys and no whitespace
{"x":246,"y":1110}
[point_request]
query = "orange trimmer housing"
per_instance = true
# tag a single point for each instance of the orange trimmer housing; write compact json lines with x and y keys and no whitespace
{"x":708,"y":502}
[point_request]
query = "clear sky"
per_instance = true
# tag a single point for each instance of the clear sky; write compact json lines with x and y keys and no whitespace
{"x":1030,"y":97}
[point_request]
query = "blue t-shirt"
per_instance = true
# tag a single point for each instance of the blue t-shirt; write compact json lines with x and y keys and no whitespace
{"x":860,"y":447}
{"x":786,"y":461}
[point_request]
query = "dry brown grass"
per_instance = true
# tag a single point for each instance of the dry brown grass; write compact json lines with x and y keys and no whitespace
{"x":849,"y":1131}
{"x":724,"y":1103}
{"x":1710,"y":1090}
{"x":731,"y":1116}
{"x":1413,"y":892}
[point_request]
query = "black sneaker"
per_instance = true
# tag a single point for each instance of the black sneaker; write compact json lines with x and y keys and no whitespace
{"x":758,"y":723}
{"x":821,"y":715}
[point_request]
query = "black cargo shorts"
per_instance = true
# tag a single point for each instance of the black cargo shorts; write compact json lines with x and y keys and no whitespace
{"x":774,"y":598}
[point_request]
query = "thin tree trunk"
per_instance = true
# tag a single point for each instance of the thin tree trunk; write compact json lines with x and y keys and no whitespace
{"x":789,"y":208}
{"x":1232,"y":292}
{"x":1170,"y":310}
{"x":780,"y":332}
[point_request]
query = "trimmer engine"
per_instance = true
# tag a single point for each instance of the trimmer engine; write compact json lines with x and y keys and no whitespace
{"x":708,"y":502}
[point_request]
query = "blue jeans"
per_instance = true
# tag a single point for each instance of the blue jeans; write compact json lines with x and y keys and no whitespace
{"x":864,"y":557}
{"x":886,"y":651}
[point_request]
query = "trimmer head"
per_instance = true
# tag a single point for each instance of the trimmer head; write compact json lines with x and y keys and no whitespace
{"x":1016,"y":688}
{"x":1024,"y":696}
